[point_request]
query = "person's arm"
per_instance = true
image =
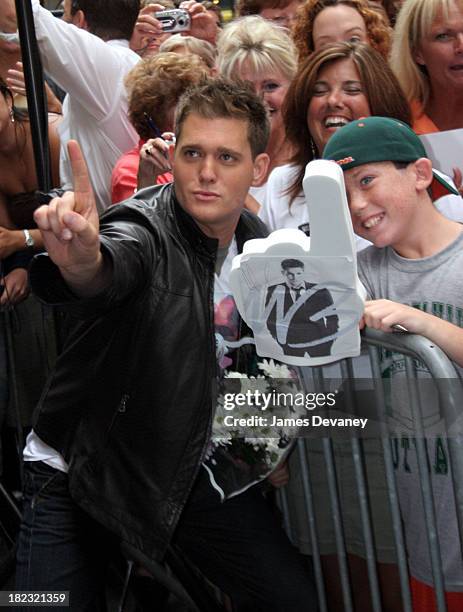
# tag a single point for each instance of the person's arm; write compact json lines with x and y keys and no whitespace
{"x":383,"y":314}
{"x":82,"y":64}
{"x":14,"y":287}
{"x":69,"y":227}
{"x":17,"y":84}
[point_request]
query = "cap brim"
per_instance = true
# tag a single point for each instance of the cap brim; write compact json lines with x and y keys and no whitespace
{"x":441,"y":186}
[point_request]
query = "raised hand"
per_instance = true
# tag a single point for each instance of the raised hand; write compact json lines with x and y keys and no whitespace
{"x":69,"y":227}
{"x":146,"y":28}
{"x":203,"y":24}
{"x":154,"y":160}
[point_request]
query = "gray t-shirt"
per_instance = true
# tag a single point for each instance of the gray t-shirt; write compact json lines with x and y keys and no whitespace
{"x":433,"y":284}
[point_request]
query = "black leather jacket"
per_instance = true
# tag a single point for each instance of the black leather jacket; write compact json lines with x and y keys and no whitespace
{"x":130,"y":402}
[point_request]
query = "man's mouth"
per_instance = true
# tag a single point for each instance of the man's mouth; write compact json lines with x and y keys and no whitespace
{"x":457,"y":67}
{"x":334,"y":121}
{"x":206,"y":195}
{"x":372,"y":221}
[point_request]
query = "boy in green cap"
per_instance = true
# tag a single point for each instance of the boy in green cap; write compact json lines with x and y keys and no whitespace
{"x":414,"y":278}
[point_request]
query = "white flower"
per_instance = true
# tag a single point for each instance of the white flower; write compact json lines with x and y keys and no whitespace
{"x":274,"y":370}
{"x":235,"y":375}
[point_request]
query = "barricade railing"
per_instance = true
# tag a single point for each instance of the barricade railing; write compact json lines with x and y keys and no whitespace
{"x":447,"y":382}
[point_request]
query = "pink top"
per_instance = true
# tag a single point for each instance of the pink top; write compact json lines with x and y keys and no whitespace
{"x":124,"y":175}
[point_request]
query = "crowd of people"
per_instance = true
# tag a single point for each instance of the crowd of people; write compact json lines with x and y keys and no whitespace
{"x":170,"y":150}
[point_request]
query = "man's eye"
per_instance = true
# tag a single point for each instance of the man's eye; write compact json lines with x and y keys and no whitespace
{"x":354,"y":39}
{"x":191,"y":153}
{"x":226,"y":157}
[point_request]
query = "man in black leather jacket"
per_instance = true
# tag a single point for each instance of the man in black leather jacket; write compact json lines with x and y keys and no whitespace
{"x":124,"y":423}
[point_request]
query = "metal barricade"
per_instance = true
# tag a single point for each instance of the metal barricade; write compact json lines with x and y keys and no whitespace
{"x":450,"y":397}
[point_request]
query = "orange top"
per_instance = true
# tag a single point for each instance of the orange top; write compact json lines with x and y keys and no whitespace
{"x":421,"y":123}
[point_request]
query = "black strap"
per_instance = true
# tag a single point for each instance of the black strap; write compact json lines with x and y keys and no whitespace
{"x":35,"y":90}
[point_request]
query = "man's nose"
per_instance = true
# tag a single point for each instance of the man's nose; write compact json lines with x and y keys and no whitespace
{"x":207,"y":169}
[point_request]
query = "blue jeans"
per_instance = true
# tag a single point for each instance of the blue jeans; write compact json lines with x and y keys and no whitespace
{"x":60,"y":548}
{"x":238,"y":545}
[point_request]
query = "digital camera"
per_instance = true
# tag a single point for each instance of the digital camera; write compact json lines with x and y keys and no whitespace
{"x":174,"y":20}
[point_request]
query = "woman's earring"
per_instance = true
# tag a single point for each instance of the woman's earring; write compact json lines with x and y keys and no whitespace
{"x":11,"y":115}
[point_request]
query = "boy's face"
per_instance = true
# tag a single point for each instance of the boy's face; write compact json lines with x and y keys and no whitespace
{"x":383,"y":201}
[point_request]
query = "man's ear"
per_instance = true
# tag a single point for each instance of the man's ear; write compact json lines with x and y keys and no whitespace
{"x":423,"y":173}
{"x":261,"y":163}
{"x":78,"y":19}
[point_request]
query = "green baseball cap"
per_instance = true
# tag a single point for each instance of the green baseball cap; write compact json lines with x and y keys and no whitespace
{"x":378,"y":139}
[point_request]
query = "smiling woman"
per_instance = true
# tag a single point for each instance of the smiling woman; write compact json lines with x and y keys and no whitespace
{"x":427,"y":58}
{"x":334,"y":86}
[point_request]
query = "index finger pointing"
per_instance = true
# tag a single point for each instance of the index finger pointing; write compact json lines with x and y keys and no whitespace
{"x":84,"y":196}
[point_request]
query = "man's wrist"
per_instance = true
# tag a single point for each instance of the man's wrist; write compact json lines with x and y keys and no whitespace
{"x":88,"y":280}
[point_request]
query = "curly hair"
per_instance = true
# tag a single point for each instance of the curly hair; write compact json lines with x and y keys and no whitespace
{"x":382,"y":90}
{"x":155,"y":86}
{"x":379,"y":33}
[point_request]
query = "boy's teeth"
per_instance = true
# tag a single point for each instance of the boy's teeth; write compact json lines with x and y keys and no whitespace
{"x":372,"y":221}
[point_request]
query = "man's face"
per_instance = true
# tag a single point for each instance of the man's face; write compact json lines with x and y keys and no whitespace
{"x":294,"y":277}
{"x":213,"y":170}
{"x":383,"y":202}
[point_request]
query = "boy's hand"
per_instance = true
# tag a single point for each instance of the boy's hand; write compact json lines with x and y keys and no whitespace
{"x":384,"y":314}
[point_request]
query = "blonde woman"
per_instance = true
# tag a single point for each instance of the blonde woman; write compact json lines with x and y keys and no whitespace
{"x":255,"y":50}
{"x":427,"y":58}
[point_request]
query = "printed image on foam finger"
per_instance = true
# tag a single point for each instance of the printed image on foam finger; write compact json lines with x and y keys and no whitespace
{"x":301,"y":295}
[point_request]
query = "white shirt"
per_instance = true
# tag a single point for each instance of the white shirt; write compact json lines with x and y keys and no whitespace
{"x":92,"y":72}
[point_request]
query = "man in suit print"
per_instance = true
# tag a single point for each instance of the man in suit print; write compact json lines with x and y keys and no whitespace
{"x":300,"y":315}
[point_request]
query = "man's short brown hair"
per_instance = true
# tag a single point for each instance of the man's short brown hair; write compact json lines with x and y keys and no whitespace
{"x":223,"y":99}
